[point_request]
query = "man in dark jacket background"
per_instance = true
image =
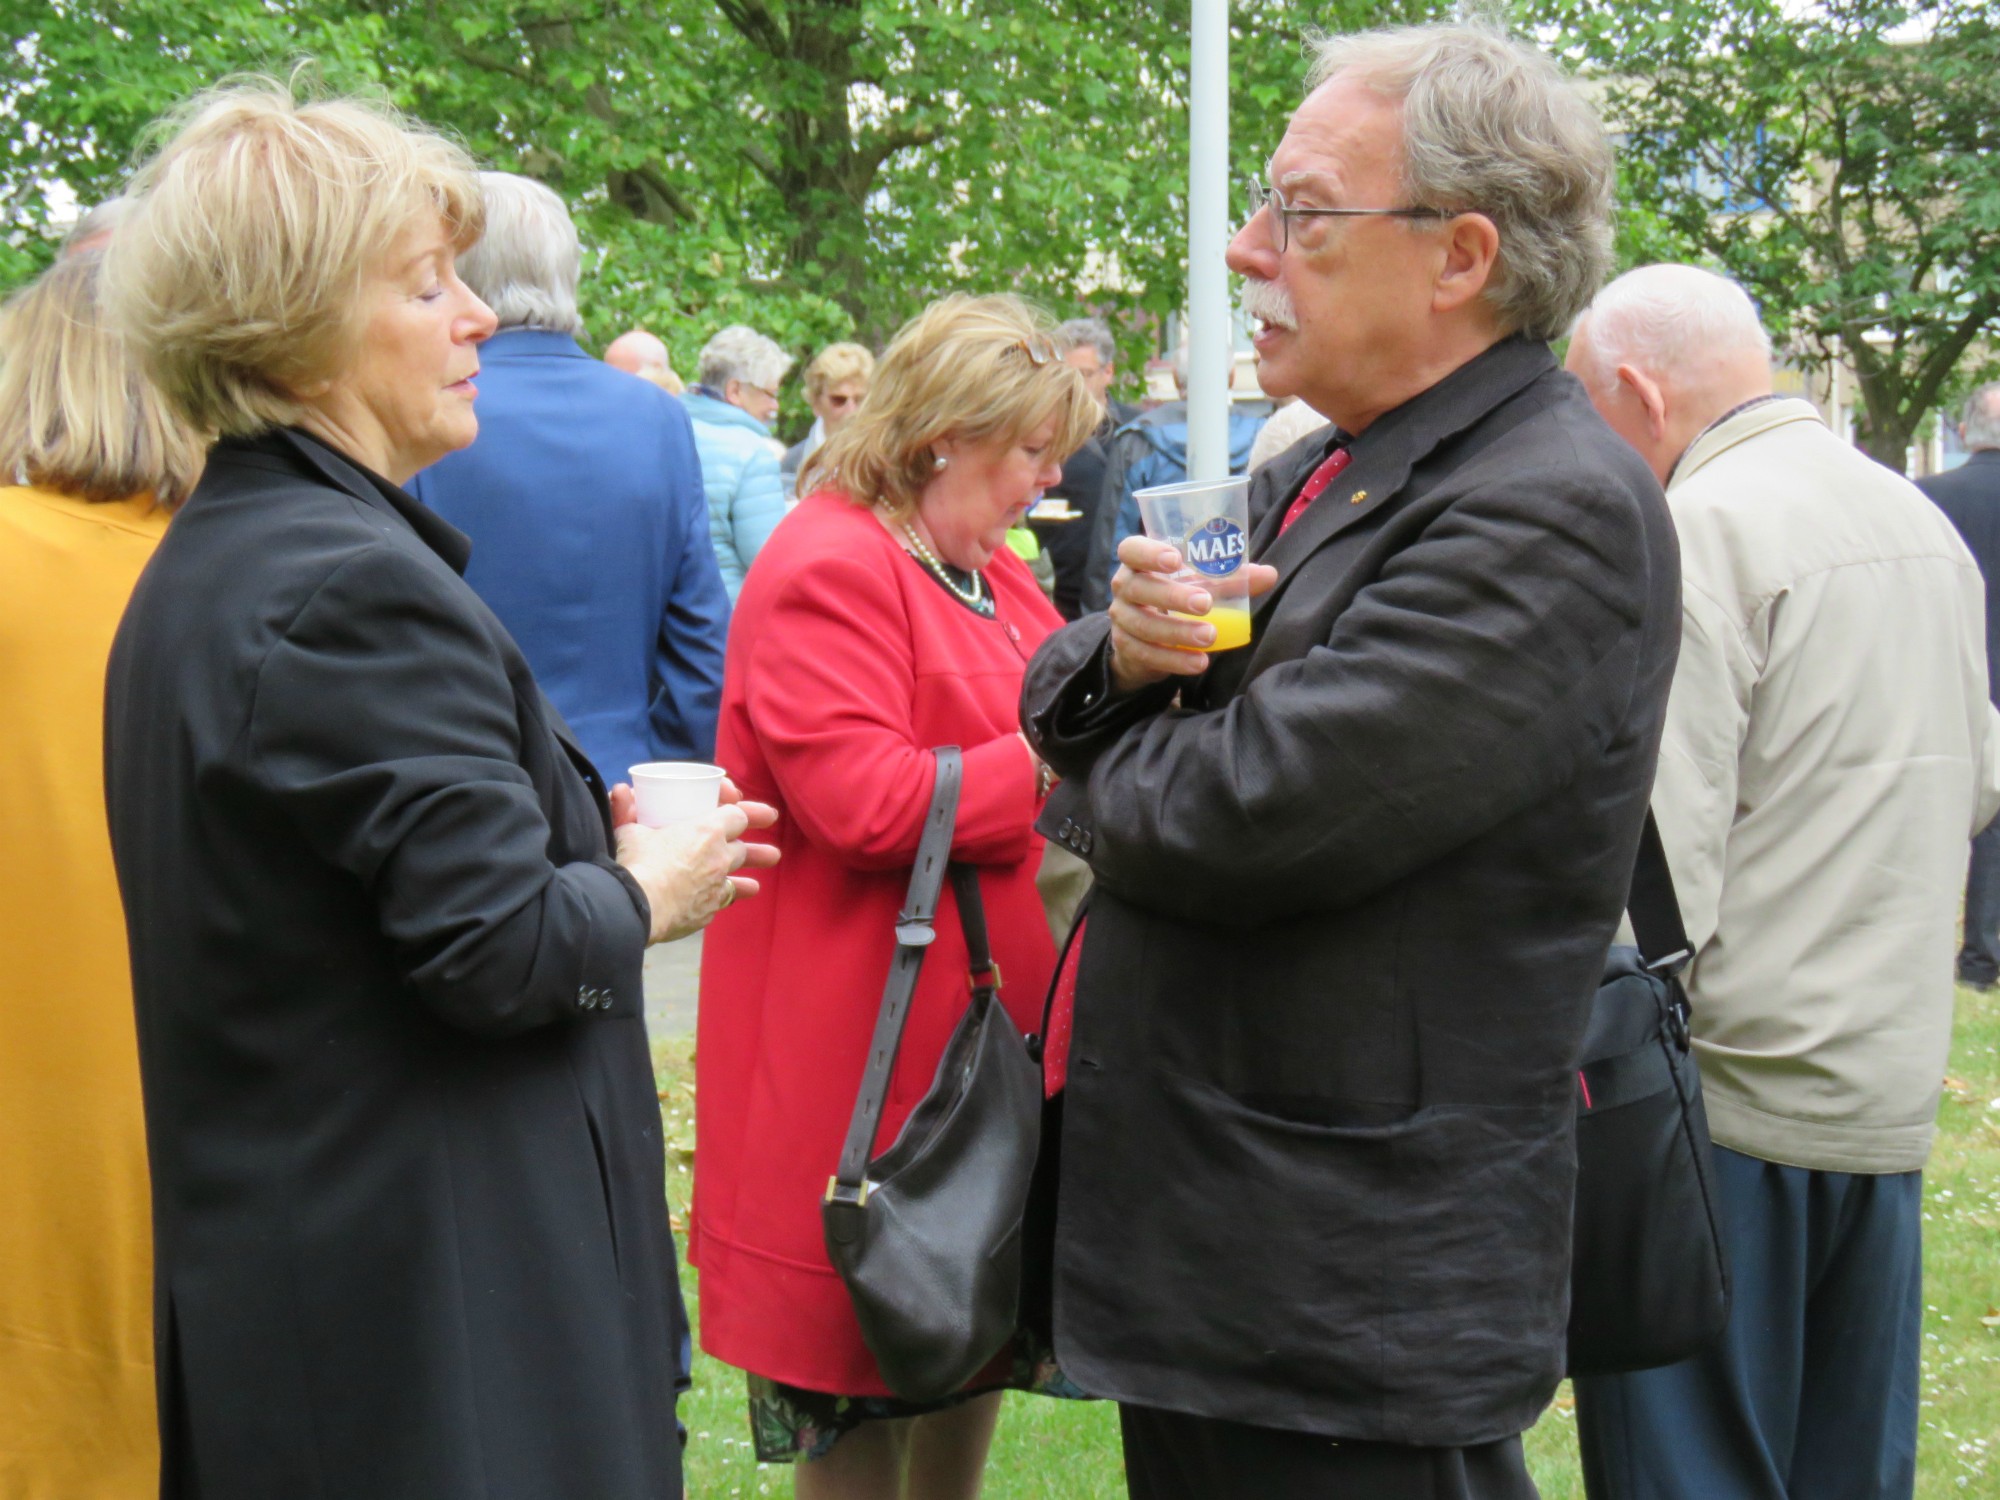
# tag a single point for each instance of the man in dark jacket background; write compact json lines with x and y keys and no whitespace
{"x":1970,"y":498}
{"x":1357,"y":880}
{"x":583,"y":499}
{"x":1087,"y":344}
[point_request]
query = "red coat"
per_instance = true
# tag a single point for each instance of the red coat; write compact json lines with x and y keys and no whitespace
{"x":846,"y":665}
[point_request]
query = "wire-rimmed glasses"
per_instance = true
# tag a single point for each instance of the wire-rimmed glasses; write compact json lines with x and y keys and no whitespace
{"x":1258,"y":197}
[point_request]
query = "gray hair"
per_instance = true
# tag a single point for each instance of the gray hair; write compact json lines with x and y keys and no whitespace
{"x":525,"y":266}
{"x":1080,"y":333}
{"x":1662,"y":318}
{"x":1491,"y":126}
{"x":1982,"y":417}
{"x":740,"y":353}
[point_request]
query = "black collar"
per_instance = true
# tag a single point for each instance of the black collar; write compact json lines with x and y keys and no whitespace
{"x":1394,"y":444}
{"x":294,"y":451}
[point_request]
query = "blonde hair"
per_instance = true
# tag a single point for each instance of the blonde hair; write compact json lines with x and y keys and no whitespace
{"x":76,"y":414}
{"x":238,"y":273}
{"x":835,"y":363}
{"x":970,"y":367}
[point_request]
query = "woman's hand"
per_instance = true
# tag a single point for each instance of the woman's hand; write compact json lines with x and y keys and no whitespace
{"x":1148,"y":644}
{"x":688,"y":870}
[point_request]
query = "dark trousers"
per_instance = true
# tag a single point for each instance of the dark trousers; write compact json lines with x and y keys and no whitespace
{"x":1811,"y":1393}
{"x":1173,"y":1456}
{"x":1979,"y":959}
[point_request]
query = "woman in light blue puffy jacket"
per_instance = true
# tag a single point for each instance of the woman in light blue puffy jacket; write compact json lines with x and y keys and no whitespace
{"x":732,"y":403}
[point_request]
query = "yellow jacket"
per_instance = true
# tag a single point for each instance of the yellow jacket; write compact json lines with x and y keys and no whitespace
{"x":76,"y":1341}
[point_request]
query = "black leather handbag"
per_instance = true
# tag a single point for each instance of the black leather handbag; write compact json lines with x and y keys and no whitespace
{"x":927,"y":1236}
{"x":1649,"y":1282}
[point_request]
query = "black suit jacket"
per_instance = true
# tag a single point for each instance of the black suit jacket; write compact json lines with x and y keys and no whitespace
{"x":1354,"y":894}
{"x":1970,"y":497}
{"x":411,"y":1235}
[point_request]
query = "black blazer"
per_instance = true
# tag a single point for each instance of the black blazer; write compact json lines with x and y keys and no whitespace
{"x":1969,"y":495}
{"x":411,"y":1233}
{"x":1354,"y":894}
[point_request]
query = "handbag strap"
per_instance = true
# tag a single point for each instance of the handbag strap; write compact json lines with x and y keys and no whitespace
{"x":1655,"y":909}
{"x":915,"y":931}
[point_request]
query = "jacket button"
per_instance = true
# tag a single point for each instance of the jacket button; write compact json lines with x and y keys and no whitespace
{"x":1084,"y":842}
{"x":1066,"y":830}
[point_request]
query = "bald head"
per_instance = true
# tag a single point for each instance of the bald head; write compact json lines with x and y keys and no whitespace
{"x":1664,"y":351}
{"x":637,"y":353}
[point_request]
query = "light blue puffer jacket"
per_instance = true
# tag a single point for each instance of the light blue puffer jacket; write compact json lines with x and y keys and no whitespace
{"x":739,"y":472}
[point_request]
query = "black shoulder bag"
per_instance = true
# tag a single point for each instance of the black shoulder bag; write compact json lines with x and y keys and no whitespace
{"x":1649,"y":1283}
{"x":927,"y":1235}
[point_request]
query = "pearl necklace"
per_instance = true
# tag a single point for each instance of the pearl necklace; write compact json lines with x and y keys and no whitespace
{"x":975,"y":599}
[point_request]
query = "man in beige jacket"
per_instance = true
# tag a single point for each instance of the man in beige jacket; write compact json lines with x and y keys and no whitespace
{"x":1829,"y":748}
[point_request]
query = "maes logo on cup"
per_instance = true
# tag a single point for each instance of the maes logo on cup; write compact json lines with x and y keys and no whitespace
{"x":1215,"y":547}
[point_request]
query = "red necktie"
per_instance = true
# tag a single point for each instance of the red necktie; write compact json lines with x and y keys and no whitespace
{"x":1323,"y":476}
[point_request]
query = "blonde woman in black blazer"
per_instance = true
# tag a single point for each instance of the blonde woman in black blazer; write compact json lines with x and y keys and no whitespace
{"x":386,"y":940}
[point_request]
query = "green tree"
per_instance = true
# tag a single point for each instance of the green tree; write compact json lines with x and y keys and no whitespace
{"x":817,"y":168}
{"x":1841,"y":160}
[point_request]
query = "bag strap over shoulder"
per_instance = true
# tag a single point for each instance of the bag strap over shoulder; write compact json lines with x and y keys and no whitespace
{"x":1655,"y":909}
{"x":915,"y":930}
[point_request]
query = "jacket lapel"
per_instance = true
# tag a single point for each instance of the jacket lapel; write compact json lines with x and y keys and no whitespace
{"x":1392,"y":446}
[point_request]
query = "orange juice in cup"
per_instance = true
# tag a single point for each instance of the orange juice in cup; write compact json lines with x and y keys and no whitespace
{"x":1208,"y":522}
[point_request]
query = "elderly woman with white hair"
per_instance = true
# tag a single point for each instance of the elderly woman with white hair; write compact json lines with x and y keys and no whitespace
{"x":386,"y":925}
{"x":737,"y":376}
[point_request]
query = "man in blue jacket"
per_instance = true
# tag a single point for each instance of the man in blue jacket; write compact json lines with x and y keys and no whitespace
{"x":1148,"y":450}
{"x":583,"y":499}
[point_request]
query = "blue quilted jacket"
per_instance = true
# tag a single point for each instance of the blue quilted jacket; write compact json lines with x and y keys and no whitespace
{"x":739,"y":472}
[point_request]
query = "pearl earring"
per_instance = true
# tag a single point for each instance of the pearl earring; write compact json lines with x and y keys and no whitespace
{"x":939,"y":462}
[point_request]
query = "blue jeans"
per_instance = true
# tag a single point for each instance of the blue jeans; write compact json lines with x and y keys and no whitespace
{"x":1979,"y":959}
{"x":1811,"y":1392}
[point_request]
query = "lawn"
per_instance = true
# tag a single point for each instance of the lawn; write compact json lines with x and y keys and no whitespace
{"x":1058,"y":1450}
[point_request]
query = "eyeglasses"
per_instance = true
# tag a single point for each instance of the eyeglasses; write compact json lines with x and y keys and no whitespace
{"x":758,"y":390}
{"x":1258,"y":197}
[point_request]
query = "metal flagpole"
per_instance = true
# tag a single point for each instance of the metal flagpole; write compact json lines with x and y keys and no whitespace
{"x":1210,"y":357}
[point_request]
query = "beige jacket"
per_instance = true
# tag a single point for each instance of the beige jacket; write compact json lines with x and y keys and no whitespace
{"x":1829,"y":750}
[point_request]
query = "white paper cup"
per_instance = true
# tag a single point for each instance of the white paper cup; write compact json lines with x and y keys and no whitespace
{"x":675,"y":791}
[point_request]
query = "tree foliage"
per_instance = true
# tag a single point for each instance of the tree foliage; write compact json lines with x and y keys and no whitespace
{"x":1841,"y":160}
{"x":816,"y":168}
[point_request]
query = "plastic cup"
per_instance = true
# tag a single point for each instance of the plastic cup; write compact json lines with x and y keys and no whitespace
{"x":1208,"y":522}
{"x":676,"y":791}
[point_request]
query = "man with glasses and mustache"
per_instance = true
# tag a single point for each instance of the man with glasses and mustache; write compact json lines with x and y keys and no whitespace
{"x":1356,"y":880}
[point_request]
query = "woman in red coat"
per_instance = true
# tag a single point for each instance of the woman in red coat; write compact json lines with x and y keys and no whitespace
{"x":885,"y":617}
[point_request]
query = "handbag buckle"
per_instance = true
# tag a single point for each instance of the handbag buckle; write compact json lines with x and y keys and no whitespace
{"x":914,"y":932}
{"x":840,"y":1192}
{"x":1672,"y":964}
{"x":992,"y":967}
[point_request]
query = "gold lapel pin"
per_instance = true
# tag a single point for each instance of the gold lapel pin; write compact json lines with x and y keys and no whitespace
{"x":1357,"y":497}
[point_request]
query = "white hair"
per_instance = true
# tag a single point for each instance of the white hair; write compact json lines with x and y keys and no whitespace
{"x":740,"y":353}
{"x":1491,"y":126}
{"x":525,"y":266}
{"x":1664,"y":318}
{"x":1982,"y":417}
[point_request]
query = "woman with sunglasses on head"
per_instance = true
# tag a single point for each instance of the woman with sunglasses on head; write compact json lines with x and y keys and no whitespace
{"x":886,"y":618}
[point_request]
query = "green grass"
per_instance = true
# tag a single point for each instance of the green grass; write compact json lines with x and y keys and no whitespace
{"x":1063,"y":1450}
